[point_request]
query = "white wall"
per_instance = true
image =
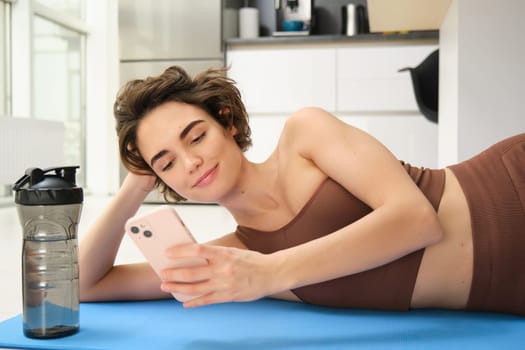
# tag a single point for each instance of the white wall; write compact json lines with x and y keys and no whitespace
{"x":102,"y":162}
{"x":482,"y":75}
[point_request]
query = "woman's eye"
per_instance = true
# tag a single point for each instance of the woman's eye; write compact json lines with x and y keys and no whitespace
{"x":198,"y":138}
{"x":167,"y":166}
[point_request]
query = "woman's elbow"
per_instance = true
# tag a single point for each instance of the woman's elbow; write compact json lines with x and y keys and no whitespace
{"x":86,"y":293}
{"x":430,"y":224}
{"x":90,"y":289}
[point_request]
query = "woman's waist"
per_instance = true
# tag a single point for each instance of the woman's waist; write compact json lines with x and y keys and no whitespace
{"x":445,"y":273}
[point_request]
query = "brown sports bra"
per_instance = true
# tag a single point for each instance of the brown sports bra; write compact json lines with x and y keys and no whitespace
{"x":387,"y":287}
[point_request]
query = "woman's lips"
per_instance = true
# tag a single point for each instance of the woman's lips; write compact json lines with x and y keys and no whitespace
{"x":207,"y":178}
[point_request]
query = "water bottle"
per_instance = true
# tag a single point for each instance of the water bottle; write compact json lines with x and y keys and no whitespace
{"x":49,"y":204}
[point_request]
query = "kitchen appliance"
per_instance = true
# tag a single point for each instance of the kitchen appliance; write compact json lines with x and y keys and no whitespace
{"x":289,"y":13}
{"x":349,"y":20}
{"x":155,"y":34}
{"x":354,"y":20}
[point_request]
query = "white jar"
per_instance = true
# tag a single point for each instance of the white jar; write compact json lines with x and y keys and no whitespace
{"x":248,"y":22}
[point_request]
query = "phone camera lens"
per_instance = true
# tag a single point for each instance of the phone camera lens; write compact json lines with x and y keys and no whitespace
{"x":148,"y":233}
{"x":135,"y":229}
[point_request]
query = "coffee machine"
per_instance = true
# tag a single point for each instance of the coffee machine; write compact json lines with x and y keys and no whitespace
{"x":293,"y":17}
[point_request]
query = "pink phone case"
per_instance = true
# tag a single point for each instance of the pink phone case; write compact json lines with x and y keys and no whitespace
{"x":154,"y":232}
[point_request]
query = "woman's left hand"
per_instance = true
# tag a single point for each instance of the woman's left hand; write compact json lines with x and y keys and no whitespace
{"x":232,"y":274}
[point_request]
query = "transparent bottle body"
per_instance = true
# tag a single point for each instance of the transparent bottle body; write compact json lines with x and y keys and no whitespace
{"x":50,"y":282}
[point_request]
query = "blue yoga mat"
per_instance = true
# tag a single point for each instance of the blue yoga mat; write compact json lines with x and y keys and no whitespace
{"x":271,"y":324}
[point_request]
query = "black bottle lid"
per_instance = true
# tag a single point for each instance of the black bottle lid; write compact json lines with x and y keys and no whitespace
{"x":53,"y":186}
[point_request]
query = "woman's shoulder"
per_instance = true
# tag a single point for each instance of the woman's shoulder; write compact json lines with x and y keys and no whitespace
{"x":304,"y":118}
{"x":304,"y":131}
{"x":308,"y":127}
{"x":302,"y":121}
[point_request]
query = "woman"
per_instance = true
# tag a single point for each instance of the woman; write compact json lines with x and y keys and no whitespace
{"x":330,"y":218}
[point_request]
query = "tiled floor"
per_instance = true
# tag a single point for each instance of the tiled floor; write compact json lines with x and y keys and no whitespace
{"x":204,"y":221}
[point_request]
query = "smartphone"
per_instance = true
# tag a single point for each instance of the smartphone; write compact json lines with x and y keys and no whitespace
{"x":156,"y":231}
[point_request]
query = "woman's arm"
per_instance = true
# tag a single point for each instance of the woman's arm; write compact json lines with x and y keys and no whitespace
{"x":401,"y":222}
{"x":99,"y":278}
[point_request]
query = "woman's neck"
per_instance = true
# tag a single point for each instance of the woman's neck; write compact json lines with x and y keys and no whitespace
{"x":257,"y":192}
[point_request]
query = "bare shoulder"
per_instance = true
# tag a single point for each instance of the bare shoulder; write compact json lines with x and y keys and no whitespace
{"x":307,"y":119}
{"x":306,"y":129}
{"x":350,"y":156}
{"x":313,"y":128}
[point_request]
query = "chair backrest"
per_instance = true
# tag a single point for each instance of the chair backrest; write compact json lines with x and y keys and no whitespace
{"x":425,"y":80}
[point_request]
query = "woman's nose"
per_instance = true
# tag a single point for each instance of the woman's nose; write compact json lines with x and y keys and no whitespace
{"x":192,"y":162}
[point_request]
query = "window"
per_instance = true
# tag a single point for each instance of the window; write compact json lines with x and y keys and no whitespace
{"x":58,"y":66}
{"x":42,"y":70}
{"x":5,"y":190}
{"x":4,"y":57}
{"x":71,"y":8}
{"x":57,"y":84}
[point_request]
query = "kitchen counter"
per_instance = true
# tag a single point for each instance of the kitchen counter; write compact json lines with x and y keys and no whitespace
{"x":317,"y":39}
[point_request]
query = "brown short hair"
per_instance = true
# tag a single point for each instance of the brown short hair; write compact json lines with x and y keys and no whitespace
{"x":210,"y":90}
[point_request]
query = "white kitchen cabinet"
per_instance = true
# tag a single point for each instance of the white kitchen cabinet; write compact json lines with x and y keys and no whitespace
{"x":275,"y":83}
{"x":266,"y":130}
{"x":283,"y":80}
{"x":368,"y":77}
{"x":410,"y":138}
{"x":358,"y":83}
{"x":159,"y":30}
{"x":374,"y":96}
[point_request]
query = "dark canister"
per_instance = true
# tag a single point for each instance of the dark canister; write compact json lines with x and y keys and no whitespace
{"x":49,"y":204}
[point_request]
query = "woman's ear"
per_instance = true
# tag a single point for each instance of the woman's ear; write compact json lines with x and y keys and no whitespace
{"x":224,"y":111}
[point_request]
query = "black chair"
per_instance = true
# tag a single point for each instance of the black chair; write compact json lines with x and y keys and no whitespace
{"x":425,"y":80}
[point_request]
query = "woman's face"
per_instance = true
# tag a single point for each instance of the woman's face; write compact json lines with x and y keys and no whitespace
{"x":190,"y":151}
